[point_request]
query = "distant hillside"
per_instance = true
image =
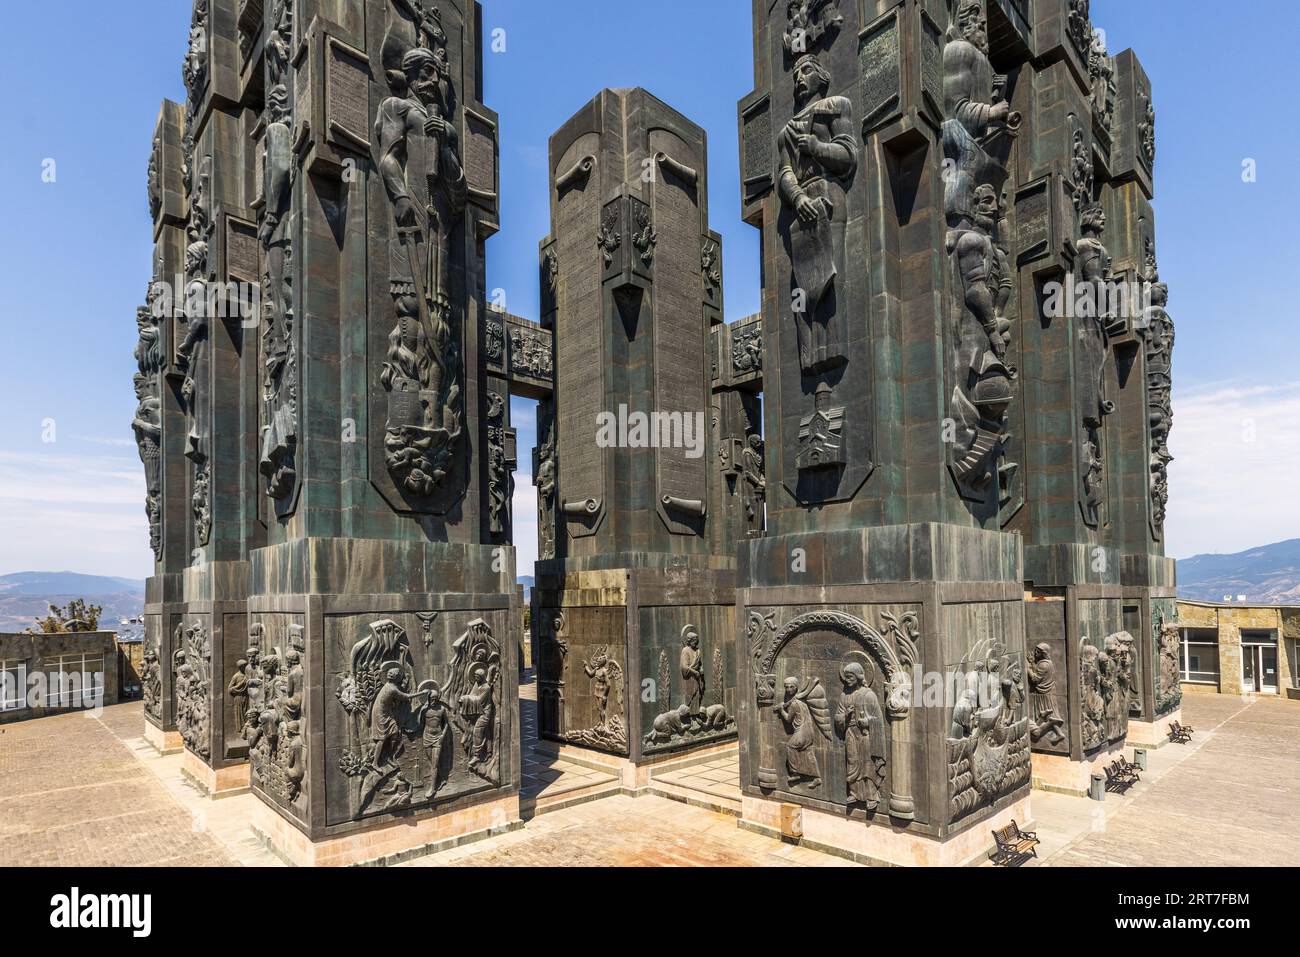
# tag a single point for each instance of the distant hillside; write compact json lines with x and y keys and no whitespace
{"x":26,"y":595}
{"x":1269,"y":575}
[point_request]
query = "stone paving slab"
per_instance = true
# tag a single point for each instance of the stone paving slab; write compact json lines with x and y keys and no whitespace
{"x":73,"y":794}
{"x":77,"y":790}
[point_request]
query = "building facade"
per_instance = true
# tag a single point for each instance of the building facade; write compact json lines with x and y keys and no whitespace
{"x":44,"y":674}
{"x":1240,"y":649}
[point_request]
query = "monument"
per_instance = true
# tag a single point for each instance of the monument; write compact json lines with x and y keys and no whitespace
{"x":939,"y":186}
{"x":335,"y":618}
{"x":649,"y":466}
{"x":1099,"y":591}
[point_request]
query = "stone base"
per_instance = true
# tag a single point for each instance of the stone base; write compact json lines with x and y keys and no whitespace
{"x":1152,"y":735}
{"x":391,"y":844}
{"x":164,"y":742}
{"x":1056,"y":772}
{"x":1293,"y":694}
{"x":635,"y":776}
{"x":215,"y":782}
{"x":877,"y":844}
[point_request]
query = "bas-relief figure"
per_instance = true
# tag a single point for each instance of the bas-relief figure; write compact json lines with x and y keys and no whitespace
{"x":977,"y":137}
{"x":1169,"y":657}
{"x":1078,"y":26}
{"x":861,"y":723}
{"x":606,"y":679}
{"x":274,"y":726}
{"x":1157,"y":332}
{"x":279,"y":423}
{"x":501,"y":465}
{"x":753,"y":483}
{"x":1093,"y":348}
{"x":810,"y":23}
{"x":1105,"y":688}
{"x":692,"y":719}
{"x":419,"y":161}
{"x":410,"y":747}
{"x":817,"y":161}
{"x":1045,"y":723}
{"x":1101,"y":75}
{"x":151,"y":684}
{"x":988,"y":741}
{"x":544,"y":477}
{"x":806,"y":715}
{"x":530,"y":354}
{"x":798,"y":723}
{"x":193,"y":679}
{"x":147,"y":423}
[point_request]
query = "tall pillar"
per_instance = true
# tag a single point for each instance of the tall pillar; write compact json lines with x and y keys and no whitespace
{"x":635,"y":610}
{"x":159,"y":426}
{"x":383,"y":701}
{"x":884,"y":708}
{"x":1140,"y":378}
{"x":1091,"y":566}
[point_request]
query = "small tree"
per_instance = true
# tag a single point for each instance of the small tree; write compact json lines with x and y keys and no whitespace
{"x":75,"y":616}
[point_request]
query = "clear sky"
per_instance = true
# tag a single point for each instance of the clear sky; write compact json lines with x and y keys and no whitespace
{"x":82,"y":80}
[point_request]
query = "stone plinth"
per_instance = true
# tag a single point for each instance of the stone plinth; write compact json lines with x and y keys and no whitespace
{"x":878,"y":844}
{"x":622,"y":651}
{"x":164,"y":742}
{"x":215,"y":782}
{"x":884,"y":666}
{"x":390,"y":844}
{"x":1057,"y":772}
{"x":1153,"y":735}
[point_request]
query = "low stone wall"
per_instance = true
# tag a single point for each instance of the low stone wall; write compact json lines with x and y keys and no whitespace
{"x":38,"y":653}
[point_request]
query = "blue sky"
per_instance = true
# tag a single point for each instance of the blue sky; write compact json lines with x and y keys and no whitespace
{"x":75,"y":253}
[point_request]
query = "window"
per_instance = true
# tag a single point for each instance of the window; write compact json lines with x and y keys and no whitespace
{"x":74,"y":681}
{"x":13,"y":685}
{"x":1201,"y":655}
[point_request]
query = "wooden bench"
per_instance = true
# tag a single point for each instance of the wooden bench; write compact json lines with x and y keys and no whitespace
{"x":1014,"y":846}
{"x":1119,"y":778}
{"x":1180,"y":733}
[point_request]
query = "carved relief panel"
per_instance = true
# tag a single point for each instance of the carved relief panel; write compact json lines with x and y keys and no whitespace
{"x":414,"y":712}
{"x":689,"y":655}
{"x":832,"y":705}
{"x":270,"y":691}
{"x":582,"y":678}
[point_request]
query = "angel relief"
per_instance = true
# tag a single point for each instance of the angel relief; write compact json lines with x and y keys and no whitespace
{"x":408,"y":746}
{"x":807,"y":718}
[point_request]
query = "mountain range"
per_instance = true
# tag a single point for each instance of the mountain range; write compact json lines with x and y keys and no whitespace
{"x":24,"y":596}
{"x":1268,"y":575}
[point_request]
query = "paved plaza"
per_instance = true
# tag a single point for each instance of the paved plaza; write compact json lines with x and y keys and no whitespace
{"x":80,"y":790}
